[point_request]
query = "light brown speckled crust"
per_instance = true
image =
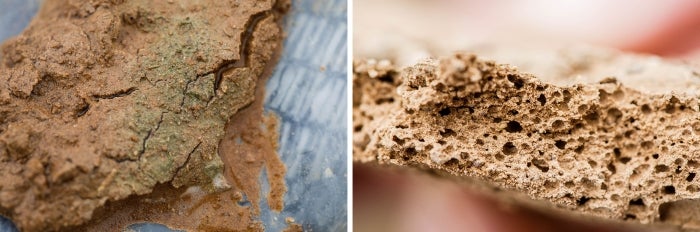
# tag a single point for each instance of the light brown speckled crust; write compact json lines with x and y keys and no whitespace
{"x":601,"y":149}
{"x":100,"y":100}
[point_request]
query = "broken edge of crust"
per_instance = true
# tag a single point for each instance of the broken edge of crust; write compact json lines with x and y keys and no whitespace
{"x":601,"y":149}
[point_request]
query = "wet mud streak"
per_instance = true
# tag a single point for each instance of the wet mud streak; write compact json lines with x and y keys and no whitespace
{"x":249,"y":146}
{"x":244,"y":50}
{"x":250,"y":142}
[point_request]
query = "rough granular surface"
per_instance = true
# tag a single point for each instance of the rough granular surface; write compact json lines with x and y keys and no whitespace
{"x":101,"y":100}
{"x":600,"y":149}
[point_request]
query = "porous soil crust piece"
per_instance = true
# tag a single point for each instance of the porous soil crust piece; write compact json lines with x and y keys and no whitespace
{"x":600,"y":149}
{"x":101,"y":100}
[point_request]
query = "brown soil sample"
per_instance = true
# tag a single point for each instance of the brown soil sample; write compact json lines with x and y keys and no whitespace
{"x":600,"y":149}
{"x":249,"y":143}
{"x":101,"y":100}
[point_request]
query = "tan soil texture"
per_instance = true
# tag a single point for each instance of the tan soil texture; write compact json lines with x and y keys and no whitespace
{"x":249,"y":144}
{"x":102,"y":100}
{"x":600,"y":149}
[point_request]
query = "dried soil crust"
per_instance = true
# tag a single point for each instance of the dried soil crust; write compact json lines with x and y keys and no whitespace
{"x":602,"y":149}
{"x":249,"y":144}
{"x":102,"y":100}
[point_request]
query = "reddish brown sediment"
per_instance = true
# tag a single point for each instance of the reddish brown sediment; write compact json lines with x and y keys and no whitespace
{"x":246,"y":155}
{"x":602,"y":149}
